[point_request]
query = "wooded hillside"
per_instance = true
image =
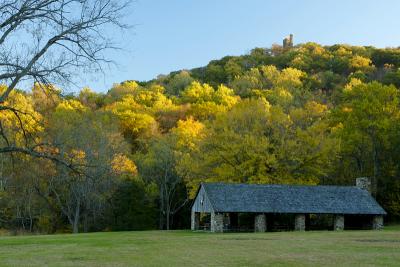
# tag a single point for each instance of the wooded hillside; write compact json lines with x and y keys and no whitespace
{"x":132,"y":158}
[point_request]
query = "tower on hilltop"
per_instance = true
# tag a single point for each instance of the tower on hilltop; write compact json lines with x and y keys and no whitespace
{"x":288,"y":41}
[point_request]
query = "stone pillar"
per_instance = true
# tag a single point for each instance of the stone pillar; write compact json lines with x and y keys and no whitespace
{"x":338,"y":222}
{"x":217,"y":222}
{"x":195,"y":222}
{"x":300,"y":222}
{"x":260,"y":223}
{"x":377,"y":222}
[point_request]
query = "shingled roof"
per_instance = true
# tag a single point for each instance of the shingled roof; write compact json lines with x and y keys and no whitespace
{"x":225,"y":197}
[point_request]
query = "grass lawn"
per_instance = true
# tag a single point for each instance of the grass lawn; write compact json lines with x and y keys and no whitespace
{"x":184,"y":248}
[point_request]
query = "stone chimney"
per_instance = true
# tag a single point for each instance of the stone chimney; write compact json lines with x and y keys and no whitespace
{"x":364,"y":183}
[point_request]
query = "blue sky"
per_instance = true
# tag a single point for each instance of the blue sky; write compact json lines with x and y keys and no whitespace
{"x":181,"y":34}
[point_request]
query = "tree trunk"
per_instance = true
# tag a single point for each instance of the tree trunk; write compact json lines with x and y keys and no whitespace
{"x":85,"y":223}
{"x":161,"y":218}
{"x":75,"y":226}
{"x":168,"y":214}
{"x":167,"y":208}
{"x":374,"y":182}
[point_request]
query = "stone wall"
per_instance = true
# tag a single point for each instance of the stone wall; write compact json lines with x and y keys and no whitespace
{"x":338,"y":222}
{"x":217,"y":222}
{"x":300,"y":222}
{"x":377,"y":222}
{"x":260,"y":223}
{"x":195,"y":221}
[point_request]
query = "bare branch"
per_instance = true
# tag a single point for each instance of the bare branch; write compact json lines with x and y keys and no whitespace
{"x":50,"y":42}
{"x":59,"y":38}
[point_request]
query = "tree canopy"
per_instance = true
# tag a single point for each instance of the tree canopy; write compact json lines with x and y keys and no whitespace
{"x":309,"y":114}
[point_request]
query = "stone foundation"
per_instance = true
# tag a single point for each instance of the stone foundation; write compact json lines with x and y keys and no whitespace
{"x":217,"y":222}
{"x":377,"y":222}
{"x":300,"y":222}
{"x":260,"y":223}
{"x":338,"y":222}
{"x":195,"y":222}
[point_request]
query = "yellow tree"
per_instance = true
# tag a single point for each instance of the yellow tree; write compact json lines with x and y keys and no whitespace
{"x":256,"y":142}
{"x":205,"y":102}
{"x":90,"y":142}
{"x":19,"y":123}
{"x":365,"y":119}
{"x":57,"y":46}
{"x":135,"y":120}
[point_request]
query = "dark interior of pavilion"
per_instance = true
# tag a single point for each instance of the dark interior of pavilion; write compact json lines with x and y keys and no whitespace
{"x":244,"y":222}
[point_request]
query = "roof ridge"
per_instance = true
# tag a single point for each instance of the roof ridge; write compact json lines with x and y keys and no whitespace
{"x":304,"y":185}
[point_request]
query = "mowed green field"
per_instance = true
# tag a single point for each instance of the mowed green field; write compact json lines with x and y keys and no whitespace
{"x":184,"y":248}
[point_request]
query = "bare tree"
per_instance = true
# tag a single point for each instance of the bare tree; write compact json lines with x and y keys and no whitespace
{"x":51,"y":41}
{"x":91,"y":143}
{"x":158,"y":166}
